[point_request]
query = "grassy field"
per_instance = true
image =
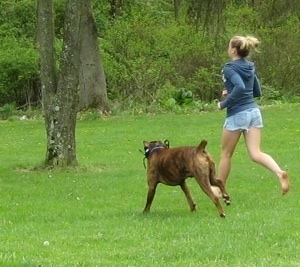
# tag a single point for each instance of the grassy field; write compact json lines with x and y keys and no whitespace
{"x":92,"y":216}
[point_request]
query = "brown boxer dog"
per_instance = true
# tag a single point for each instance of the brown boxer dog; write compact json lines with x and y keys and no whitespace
{"x":172,"y":166}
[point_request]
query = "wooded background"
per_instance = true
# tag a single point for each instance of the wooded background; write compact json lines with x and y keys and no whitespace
{"x":154,"y":50}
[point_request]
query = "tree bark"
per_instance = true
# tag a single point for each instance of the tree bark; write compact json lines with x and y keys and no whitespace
{"x":46,"y":45}
{"x":93,"y":92}
{"x":60,"y":99}
{"x":115,"y":8}
{"x":176,"y":9}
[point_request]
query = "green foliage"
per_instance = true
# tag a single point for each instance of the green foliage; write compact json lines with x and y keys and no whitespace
{"x":133,"y":65}
{"x":279,"y":62}
{"x":206,"y":83}
{"x":183,"y":96}
{"x":143,"y":59}
{"x":271,"y":96}
{"x":270,"y":93}
{"x":19,"y":79}
{"x":92,"y":215}
{"x":145,"y":51}
{"x":11,"y":112}
{"x":19,"y":58}
{"x":241,"y":20}
{"x":7,"y":111}
{"x":17,"y":18}
{"x":19,"y":70}
{"x":101,"y":10}
{"x":189,"y":59}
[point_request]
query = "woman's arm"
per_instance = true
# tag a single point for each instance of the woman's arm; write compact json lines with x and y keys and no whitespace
{"x":256,"y":88}
{"x":237,"y":90}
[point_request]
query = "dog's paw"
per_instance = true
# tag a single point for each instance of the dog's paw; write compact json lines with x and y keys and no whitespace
{"x":227,"y":201}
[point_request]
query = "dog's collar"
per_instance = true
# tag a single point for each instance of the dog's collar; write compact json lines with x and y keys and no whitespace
{"x":149,"y":151}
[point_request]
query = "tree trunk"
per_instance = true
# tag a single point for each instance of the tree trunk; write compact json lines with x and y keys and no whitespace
{"x":176,"y":9}
{"x":115,"y":8}
{"x":93,"y":93}
{"x":45,"y":40}
{"x":60,"y":99}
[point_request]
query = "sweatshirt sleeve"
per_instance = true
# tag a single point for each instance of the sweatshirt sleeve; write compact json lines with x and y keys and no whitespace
{"x":238,"y":87}
{"x":256,"y":88}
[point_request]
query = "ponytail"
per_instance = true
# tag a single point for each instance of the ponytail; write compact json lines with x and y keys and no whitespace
{"x":244,"y":45}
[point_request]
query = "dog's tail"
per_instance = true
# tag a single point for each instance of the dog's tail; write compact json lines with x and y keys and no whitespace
{"x":201,"y":147}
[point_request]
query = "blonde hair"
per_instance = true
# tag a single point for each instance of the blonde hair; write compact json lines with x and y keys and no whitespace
{"x":243,"y":44}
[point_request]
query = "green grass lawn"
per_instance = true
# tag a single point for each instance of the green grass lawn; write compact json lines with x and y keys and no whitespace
{"x":92,"y":215}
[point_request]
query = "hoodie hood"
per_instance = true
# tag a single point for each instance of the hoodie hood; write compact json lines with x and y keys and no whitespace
{"x":243,"y":67}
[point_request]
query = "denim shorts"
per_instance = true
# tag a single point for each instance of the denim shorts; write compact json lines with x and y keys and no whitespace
{"x":243,"y":120}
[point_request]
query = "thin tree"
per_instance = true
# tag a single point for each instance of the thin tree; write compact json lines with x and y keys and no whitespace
{"x":176,"y":9}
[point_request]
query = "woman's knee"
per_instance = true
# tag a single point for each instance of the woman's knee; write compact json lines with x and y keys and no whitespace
{"x":253,"y":159}
{"x":226,"y":154}
{"x":255,"y":156}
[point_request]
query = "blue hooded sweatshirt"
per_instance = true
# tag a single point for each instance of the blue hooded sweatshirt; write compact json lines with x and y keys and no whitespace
{"x":242,"y":86}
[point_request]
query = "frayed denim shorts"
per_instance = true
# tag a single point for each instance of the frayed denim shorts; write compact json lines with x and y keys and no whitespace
{"x":244,"y":120}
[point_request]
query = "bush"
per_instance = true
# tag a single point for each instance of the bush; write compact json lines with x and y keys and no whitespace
{"x":279,"y":60}
{"x":19,"y":73}
{"x":148,"y":56}
{"x":7,"y":111}
{"x":140,"y":59}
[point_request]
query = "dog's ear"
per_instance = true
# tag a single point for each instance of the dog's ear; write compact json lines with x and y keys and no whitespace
{"x":146,"y":144}
{"x":167,"y":143}
{"x":202,"y":146}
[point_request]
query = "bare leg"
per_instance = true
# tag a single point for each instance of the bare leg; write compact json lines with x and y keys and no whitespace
{"x":229,"y":141}
{"x":252,"y":139}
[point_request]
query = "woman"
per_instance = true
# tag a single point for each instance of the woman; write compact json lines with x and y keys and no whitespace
{"x":243,"y":115}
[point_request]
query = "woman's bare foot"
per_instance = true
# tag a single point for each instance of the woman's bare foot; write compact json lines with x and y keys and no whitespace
{"x":285,"y":182}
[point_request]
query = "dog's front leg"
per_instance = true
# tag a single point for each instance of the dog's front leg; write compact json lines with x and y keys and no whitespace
{"x":150,"y":197}
{"x":188,"y":196}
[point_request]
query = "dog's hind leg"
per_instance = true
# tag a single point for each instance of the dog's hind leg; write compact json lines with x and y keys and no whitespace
{"x":150,"y":197}
{"x":188,"y":196}
{"x":219,"y":183}
{"x":206,"y":188}
{"x":208,"y":191}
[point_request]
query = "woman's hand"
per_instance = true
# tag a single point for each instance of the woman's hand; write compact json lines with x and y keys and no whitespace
{"x":224,"y":93}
